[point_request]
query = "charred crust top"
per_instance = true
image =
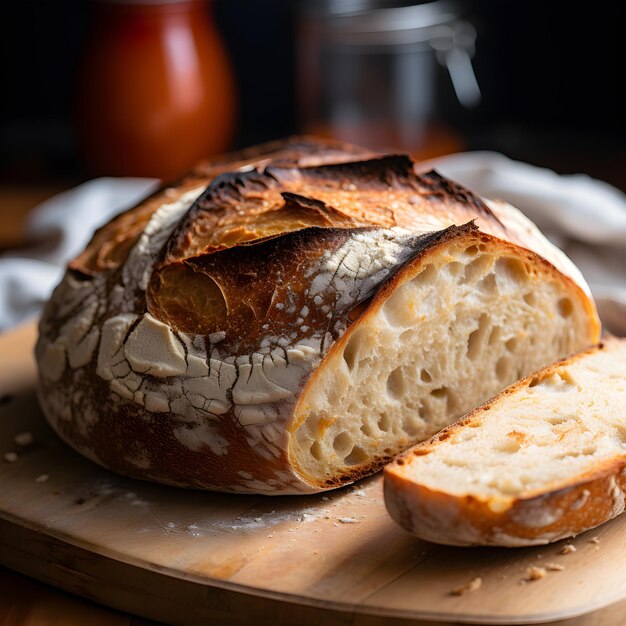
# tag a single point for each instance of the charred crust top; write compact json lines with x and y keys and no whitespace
{"x":268,"y":231}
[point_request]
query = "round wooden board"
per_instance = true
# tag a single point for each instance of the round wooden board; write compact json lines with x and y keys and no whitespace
{"x":186,"y":556}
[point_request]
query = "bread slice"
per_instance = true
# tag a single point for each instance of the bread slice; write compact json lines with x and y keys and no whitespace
{"x":289,"y":320}
{"x":543,"y":460}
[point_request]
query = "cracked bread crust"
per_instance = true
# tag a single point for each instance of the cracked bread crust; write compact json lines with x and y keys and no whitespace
{"x":180,"y":342}
{"x":549,"y":511}
{"x":111,"y":244}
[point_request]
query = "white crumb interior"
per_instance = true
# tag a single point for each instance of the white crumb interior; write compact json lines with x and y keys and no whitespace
{"x":559,"y":427}
{"x":468,"y":324}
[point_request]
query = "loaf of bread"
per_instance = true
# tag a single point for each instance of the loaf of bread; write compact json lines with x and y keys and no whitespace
{"x":287,"y":319}
{"x":543,"y":460}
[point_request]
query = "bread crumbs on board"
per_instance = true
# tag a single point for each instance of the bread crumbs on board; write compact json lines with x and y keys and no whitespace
{"x":535,"y":573}
{"x":473,"y":585}
{"x":555,"y":567}
{"x":568,"y":549}
{"x":24,"y":439}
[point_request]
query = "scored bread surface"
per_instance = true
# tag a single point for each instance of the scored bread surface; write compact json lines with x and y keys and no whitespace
{"x":286,"y":319}
{"x":542,"y":461}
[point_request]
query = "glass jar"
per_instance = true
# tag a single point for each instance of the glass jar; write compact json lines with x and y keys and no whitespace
{"x":155,"y":91}
{"x":380,"y":73}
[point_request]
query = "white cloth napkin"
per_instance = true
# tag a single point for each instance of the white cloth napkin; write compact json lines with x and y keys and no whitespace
{"x":61,"y":228}
{"x":584,"y":216}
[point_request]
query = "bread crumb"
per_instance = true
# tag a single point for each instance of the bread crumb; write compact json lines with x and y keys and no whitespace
{"x":348,"y":520}
{"x":10,"y":457}
{"x":567,"y":549}
{"x":555,"y":567}
{"x":473,"y":585}
{"x":536,"y":573}
{"x":42,"y":478}
{"x":594,"y":540}
{"x":24,"y":439}
{"x":325,"y":498}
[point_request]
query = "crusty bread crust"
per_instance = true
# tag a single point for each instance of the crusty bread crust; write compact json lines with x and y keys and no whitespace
{"x":111,"y":244}
{"x":543,"y":515}
{"x":180,"y":342}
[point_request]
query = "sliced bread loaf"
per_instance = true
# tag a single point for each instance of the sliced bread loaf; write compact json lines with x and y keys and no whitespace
{"x":289,"y":318}
{"x":543,"y":460}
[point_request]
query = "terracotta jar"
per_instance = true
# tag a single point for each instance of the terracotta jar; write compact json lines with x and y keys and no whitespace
{"x":155,"y":90}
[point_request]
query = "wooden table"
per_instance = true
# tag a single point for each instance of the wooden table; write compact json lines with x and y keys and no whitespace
{"x":24,"y":601}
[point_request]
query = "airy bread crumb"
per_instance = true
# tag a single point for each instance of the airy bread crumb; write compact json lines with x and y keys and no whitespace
{"x":473,"y":585}
{"x":567,"y":549}
{"x":10,"y":457}
{"x":23,"y":439}
{"x":594,"y":540}
{"x":555,"y":567}
{"x":536,"y":573}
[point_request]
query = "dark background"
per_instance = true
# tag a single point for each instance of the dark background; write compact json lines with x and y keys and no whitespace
{"x":549,"y":72}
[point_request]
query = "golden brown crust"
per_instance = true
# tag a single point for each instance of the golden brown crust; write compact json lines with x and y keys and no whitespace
{"x":223,"y":292}
{"x":565,"y":508}
{"x":243,"y":207}
{"x":465,"y":521}
{"x":299,"y":150}
{"x":111,"y":243}
{"x":249,"y":209}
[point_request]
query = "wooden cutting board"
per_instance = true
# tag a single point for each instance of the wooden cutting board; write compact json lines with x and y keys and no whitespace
{"x":186,"y":557}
